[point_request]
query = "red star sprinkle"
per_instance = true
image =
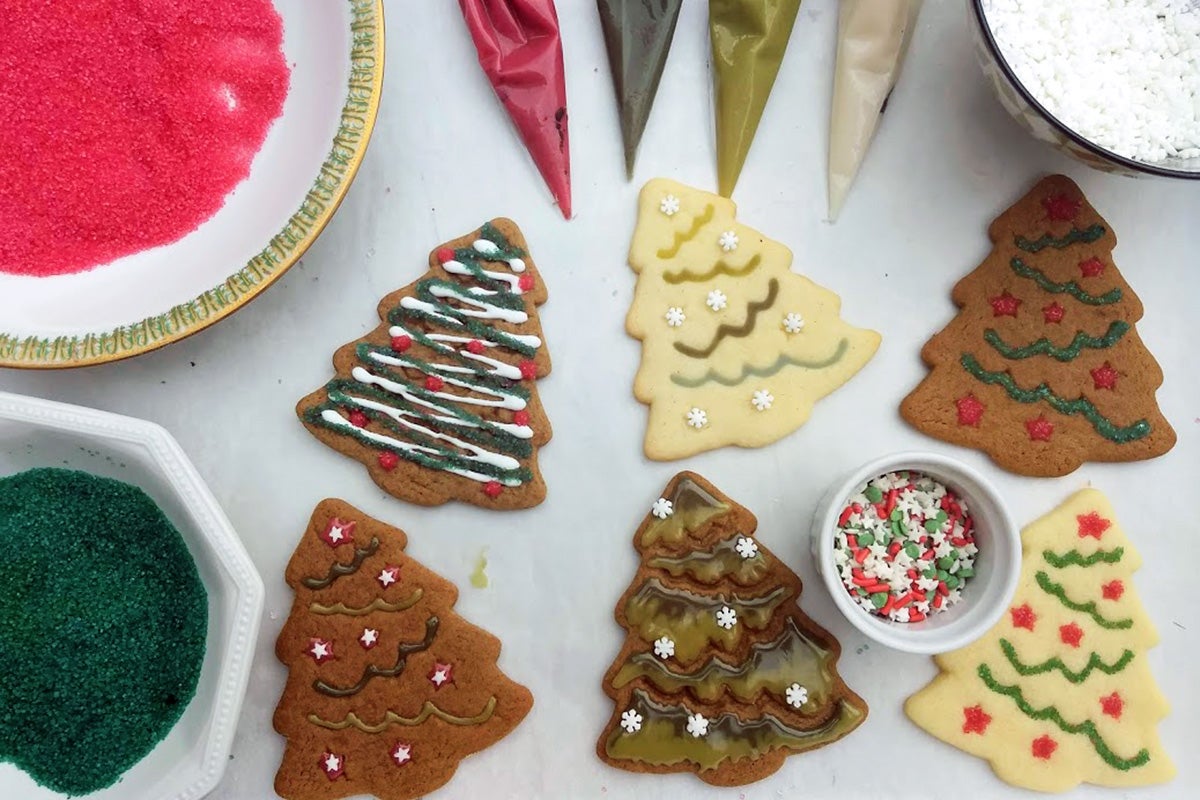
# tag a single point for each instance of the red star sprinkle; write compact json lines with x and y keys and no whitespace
{"x":401,"y":343}
{"x":388,"y":460}
{"x":1104,"y":376}
{"x":388,"y":575}
{"x":1039,"y":429}
{"x":970,"y":410}
{"x":334,"y":766}
{"x":320,"y":650}
{"x":493,"y":489}
{"x":1061,"y":207}
{"x":1112,"y":705}
{"x":1091,"y":268}
{"x":433,"y":383}
{"x":401,"y":753}
{"x":475,"y":346}
{"x":358,"y":419}
{"x":444,"y":254}
{"x":1043,"y":747}
{"x":1113,"y":590}
{"x":1071,"y":634}
{"x":369,"y":638}
{"x":521,"y":417}
{"x":1005,"y":305}
{"x":1092,"y":524}
{"x":440,"y":674}
{"x":528,"y":370}
{"x":1053,"y":313}
{"x":338,"y":532}
{"x":975,"y":720}
{"x":525,"y":283}
{"x":1023,"y":617}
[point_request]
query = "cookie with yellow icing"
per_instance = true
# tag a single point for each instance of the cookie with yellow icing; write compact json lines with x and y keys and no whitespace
{"x":736,"y":348}
{"x":1059,"y":692}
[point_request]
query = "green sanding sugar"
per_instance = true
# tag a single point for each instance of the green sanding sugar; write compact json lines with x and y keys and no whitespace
{"x":103,"y":620}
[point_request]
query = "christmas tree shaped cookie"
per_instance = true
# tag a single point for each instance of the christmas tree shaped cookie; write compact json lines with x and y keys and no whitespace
{"x":1059,"y":692}
{"x":1042,"y":368}
{"x":721,"y":674}
{"x":388,"y":689}
{"x":439,"y":401}
{"x":736,"y":348}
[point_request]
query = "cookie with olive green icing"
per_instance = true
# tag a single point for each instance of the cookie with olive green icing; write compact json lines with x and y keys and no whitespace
{"x":721,"y":673}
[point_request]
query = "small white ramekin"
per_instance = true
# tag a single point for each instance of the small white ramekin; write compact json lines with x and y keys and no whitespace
{"x":997,"y":566}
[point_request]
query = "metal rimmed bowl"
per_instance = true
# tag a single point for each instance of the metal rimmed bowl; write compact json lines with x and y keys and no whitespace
{"x":298,"y":178}
{"x":1045,"y":126}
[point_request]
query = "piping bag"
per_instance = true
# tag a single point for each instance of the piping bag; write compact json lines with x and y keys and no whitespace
{"x":521,"y":52}
{"x":873,"y":37}
{"x":749,"y":38}
{"x":637,"y":35}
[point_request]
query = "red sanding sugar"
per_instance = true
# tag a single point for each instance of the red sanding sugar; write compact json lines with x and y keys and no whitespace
{"x":125,"y":123}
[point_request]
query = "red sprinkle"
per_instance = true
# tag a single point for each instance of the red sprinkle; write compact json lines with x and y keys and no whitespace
{"x":942,"y":588}
{"x":492,"y":489}
{"x":444,"y":254}
{"x":844,"y":519}
{"x":525,"y":283}
{"x":401,"y":343}
{"x":861,"y":554}
{"x":118,"y":133}
{"x":528,"y":370}
{"x":915,"y":616}
{"x":852,"y":541}
{"x":433,"y":383}
{"x":358,"y":419}
{"x":937,"y":601}
{"x":475,"y":346}
{"x":388,"y":460}
{"x":521,"y":417}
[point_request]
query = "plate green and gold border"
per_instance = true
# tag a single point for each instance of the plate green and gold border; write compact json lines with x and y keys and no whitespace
{"x":284,"y":250}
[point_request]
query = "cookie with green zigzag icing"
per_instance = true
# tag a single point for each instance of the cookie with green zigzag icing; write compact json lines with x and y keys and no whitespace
{"x":1043,"y":368}
{"x":1059,"y":692}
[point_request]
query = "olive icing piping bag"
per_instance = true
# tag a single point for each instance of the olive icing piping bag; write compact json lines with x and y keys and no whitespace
{"x":873,"y":36}
{"x":637,"y":35}
{"x":749,"y":38}
{"x":520,"y":50}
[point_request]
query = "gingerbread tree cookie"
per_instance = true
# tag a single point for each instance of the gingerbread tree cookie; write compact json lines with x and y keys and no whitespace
{"x":721,"y":674}
{"x":1059,"y":692}
{"x":1043,"y":369}
{"x":736,"y":348}
{"x":439,"y":401}
{"x":388,"y":689}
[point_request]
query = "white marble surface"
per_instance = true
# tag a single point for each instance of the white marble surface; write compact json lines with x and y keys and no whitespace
{"x":443,"y":159}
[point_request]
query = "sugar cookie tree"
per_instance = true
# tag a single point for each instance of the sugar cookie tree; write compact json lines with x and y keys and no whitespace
{"x":1059,"y":692}
{"x":736,"y":348}
{"x":1043,"y":368}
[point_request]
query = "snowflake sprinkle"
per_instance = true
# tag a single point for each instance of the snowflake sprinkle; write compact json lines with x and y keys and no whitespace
{"x":697,"y":418}
{"x":726,"y":617}
{"x":762,"y":400}
{"x":747,"y":547}
{"x":728,"y":241}
{"x":662,"y":508}
{"x":669,"y":205}
{"x":697,"y":725}
{"x":716,"y":300}
{"x":797,"y":695}
{"x":675,"y":316}
{"x":664,"y":648}
{"x":631,"y":721}
{"x":793,"y":322}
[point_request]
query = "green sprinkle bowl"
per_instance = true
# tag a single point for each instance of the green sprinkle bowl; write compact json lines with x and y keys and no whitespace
{"x":189,"y":762}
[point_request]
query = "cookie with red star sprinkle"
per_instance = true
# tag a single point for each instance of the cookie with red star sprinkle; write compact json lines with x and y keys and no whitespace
{"x":388,"y":688}
{"x":1043,"y":368}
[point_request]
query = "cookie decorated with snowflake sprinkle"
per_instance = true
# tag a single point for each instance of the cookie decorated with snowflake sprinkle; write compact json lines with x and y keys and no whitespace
{"x":736,"y":348}
{"x":440,"y":401}
{"x":721,"y":673}
{"x":1060,"y":691}
{"x":388,"y":688}
{"x":1043,"y":368}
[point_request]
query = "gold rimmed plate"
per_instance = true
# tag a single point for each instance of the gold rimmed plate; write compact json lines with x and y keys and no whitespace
{"x":312,"y":152}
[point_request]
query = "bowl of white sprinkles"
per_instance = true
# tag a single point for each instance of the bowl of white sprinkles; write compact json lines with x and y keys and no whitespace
{"x":918,"y":552}
{"x":1114,"y":83}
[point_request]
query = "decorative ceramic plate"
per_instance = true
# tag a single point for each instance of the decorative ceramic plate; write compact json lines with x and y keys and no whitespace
{"x":298,"y":179}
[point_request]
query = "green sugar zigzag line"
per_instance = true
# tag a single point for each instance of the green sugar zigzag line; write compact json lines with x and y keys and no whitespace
{"x":1081,"y":405}
{"x":1073,"y":558}
{"x":1094,"y":663}
{"x":1051,"y":713}
{"x":1050,"y":587}
{"x":1044,"y":347}
{"x":720,"y":268}
{"x":784,"y":360}
{"x":1071,"y":287}
{"x":1075,"y":236}
{"x":682,"y":238}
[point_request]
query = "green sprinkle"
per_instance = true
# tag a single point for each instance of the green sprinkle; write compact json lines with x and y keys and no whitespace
{"x":873,"y":494}
{"x":932,"y":525}
{"x":879,"y":599}
{"x":951,"y":582}
{"x":942,"y":575}
{"x":866,"y":539}
{"x":930,"y":573}
{"x":912,"y":550}
{"x":945,"y":562}
{"x":966,"y":572}
{"x":897,"y":515}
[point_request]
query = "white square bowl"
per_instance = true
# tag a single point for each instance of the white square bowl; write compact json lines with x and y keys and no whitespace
{"x":190,"y":761}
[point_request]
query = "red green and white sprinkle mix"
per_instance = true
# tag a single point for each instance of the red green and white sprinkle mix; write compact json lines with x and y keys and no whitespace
{"x":905,"y":546}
